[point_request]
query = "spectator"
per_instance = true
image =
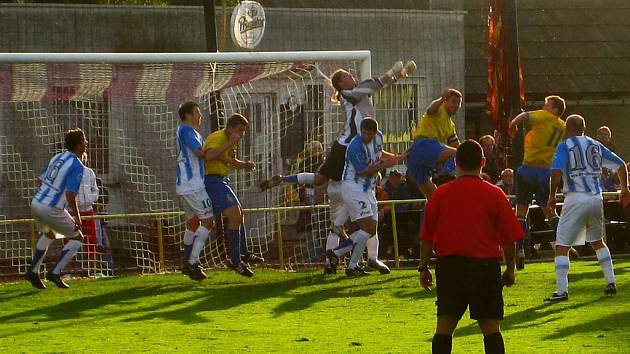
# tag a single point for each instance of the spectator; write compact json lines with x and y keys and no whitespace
{"x":396,"y":189}
{"x":604,"y":136}
{"x":507,"y":181}
{"x":609,"y":180}
{"x":492,"y":166}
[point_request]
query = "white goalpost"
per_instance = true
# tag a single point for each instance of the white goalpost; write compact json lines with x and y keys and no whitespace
{"x":127,"y":105}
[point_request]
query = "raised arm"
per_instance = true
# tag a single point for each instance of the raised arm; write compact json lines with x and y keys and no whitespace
{"x":435,"y":105}
{"x":514,"y":123}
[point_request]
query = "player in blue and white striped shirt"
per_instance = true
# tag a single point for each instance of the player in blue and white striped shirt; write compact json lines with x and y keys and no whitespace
{"x":191,"y":188}
{"x":578,"y":162}
{"x":55,"y":208}
{"x":364,"y":159}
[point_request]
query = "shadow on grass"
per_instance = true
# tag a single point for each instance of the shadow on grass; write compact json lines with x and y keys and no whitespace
{"x":595,"y":274}
{"x":4,"y":298}
{"x":75,"y":308}
{"x":303,"y":301}
{"x":536,"y":315}
{"x":233,"y":296}
{"x":619,"y":321}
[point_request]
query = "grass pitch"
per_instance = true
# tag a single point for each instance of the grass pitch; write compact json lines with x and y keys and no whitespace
{"x":304,"y":312}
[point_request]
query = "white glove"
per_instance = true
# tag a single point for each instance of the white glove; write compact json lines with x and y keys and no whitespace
{"x":408,"y":69}
{"x":395,"y":70}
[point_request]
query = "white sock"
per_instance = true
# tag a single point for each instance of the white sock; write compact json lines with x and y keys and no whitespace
{"x":201,"y":236}
{"x":40,"y":251}
{"x":605,"y":260}
{"x":372,"y":247}
{"x":332,"y":241}
{"x":342,"y":216}
{"x":360,"y":242}
{"x":67,"y":253}
{"x":188,"y":237}
{"x":562,"y":274}
{"x":306,"y":178}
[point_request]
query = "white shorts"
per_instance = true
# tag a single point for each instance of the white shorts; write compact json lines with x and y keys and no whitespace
{"x":360,"y":204}
{"x":338,"y":210}
{"x":197,"y":204}
{"x":55,"y":219}
{"x":581,"y":219}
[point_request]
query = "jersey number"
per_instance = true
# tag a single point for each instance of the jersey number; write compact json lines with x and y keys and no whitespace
{"x":593,"y":157}
{"x":207,"y":204}
{"x":556,"y":136}
{"x":53,"y":171}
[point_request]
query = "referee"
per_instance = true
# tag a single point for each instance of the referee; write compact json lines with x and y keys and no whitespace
{"x":471,"y":226}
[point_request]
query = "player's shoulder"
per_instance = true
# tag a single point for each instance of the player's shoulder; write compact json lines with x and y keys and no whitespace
{"x":216,"y":135}
{"x":355,"y":143}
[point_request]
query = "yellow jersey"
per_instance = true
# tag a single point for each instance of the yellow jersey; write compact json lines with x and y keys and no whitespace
{"x":545,"y":133}
{"x":437,"y":126}
{"x":213,"y":141}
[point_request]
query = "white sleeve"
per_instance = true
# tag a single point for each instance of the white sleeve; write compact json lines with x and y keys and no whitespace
{"x":92,"y":187}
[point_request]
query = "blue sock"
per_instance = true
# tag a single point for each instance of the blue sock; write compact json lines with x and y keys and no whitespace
{"x":290,"y":179}
{"x":187,"y":251}
{"x":35,"y":262}
{"x":234,"y":242}
{"x":243,"y":240}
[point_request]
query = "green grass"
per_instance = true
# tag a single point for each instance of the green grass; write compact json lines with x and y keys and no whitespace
{"x":304,"y":312}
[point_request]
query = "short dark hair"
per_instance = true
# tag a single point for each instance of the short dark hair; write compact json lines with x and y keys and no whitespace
{"x":558,"y":103}
{"x":186,"y":108}
{"x":74,"y":137}
{"x":369,"y":124}
{"x":469,"y":155}
{"x":237,"y":119}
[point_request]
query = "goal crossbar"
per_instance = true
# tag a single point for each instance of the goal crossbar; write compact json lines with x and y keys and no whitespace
{"x":363,"y":56}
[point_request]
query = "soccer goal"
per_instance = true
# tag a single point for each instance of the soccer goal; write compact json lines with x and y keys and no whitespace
{"x":127,"y":105}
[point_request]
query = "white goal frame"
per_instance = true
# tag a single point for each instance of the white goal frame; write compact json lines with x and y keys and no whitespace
{"x":363,"y":56}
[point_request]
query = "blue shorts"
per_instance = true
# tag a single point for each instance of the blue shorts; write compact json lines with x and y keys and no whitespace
{"x":423,"y":159}
{"x":220,"y":192}
{"x":532,"y":182}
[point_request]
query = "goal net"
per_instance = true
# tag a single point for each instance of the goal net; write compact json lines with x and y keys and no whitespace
{"x":127,"y":106}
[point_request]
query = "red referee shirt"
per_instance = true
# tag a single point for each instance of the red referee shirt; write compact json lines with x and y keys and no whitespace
{"x":470,"y":217}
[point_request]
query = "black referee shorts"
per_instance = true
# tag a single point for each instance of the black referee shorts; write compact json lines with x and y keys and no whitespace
{"x":335,"y":161}
{"x":468,"y":282}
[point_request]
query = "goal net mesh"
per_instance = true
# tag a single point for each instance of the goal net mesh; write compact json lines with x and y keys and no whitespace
{"x":129,"y":115}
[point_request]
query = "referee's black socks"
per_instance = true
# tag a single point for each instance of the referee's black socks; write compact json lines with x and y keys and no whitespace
{"x":442,"y":344}
{"x":493,"y":343}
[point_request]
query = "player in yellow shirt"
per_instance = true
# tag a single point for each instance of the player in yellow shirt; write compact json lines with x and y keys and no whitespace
{"x":220,"y":150}
{"x":435,"y":141}
{"x":532,"y":177}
